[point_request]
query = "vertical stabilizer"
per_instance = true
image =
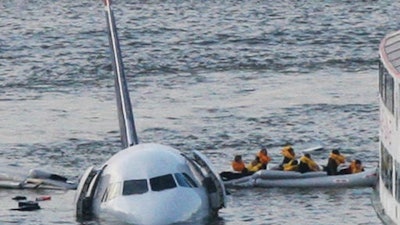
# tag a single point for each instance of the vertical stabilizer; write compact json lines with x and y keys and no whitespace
{"x":125,"y":114}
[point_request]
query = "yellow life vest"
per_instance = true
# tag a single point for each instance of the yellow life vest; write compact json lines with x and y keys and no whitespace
{"x":311,"y":164}
{"x":339,"y":159}
{"x":289,"y":166}
{"x":254,"y":168}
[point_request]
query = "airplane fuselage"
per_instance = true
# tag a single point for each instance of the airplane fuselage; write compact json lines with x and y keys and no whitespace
{"x":146,"y":183}
{"x":151,"y":184}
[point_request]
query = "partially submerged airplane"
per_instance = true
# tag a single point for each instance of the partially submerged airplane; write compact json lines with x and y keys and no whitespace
{"x":146,"y":183}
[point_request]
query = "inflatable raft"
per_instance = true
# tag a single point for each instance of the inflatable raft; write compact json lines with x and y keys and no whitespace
{"x":283,"y":179}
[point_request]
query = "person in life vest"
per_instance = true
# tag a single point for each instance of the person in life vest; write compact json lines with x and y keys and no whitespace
{"x":355,"y":167}
{"x":239,"y":169}
{"x":288,"y":156}
{"x":255,"y":165}
{"x":335,"y":159}
{"x":264,"y":158}
{"x":238,"y":164}
{"x":307,"y":164}
{"x":292,"y":165}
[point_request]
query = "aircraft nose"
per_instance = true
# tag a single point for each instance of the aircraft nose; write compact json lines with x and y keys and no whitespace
{"x":160,"y":208}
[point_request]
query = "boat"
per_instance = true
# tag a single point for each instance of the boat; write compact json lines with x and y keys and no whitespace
{"x":273,"y":177}
{"x":292,"y":179}
{"x":386,"y":196}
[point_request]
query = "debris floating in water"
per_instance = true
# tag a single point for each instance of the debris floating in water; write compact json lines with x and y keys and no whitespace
{"x":19,"y":198}
{"x":43,"y":198}
{"x":27,"y":206}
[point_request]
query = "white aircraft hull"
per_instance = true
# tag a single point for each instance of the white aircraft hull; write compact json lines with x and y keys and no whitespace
{"x":174,"y":206}
{"x":146,"y":183}
{"x":150,"y":199}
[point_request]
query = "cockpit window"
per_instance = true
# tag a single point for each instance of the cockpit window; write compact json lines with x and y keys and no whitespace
{"x":162,"y":182}
{"x":135,"y":187}
{"x":185,"y":180}
{"x":190,"y":180}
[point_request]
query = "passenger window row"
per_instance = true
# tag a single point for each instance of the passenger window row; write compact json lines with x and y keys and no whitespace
{"x":140,"y":186}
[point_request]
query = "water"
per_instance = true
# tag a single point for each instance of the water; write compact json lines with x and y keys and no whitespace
{"x":222,"y":77}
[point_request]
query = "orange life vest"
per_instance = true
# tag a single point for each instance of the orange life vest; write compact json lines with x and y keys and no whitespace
{"x":238,"y":166}
{"x":354,"y":168}
{"x":264,"y":159}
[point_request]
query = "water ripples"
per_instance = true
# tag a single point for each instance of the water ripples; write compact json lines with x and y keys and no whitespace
{"x":69,"y":46}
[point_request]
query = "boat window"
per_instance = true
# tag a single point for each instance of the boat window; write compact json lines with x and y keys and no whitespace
{"x":382,"y":81}
{"x":386,"y":87}
{"x":185,"y":180}
{"x":135,"y":187}
{"x":386,"y":168}
{"x":112,"y":191}
{"x":389,"y":92}
{"x":397,"y":184}
{"x":162,"y":182}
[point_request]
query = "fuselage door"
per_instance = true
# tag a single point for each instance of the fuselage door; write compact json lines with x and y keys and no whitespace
{"x":85,"y":192}
{"x":213,"y":182}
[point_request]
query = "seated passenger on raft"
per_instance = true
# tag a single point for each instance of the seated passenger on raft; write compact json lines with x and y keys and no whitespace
{"x":264,"y":158}
{"x":239,"y":169}
{"x":307,"y":164}
{"x":288,"y":156}
{"x":355,"y":167}
{"x":238,"y":164}
{"x":335,"y":159}
{"x":255,"y":165}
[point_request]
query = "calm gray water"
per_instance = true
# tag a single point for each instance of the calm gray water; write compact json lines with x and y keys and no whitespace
{"x":222,"y":77}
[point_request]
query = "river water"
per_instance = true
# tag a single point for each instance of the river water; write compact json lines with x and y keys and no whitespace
{"x":223,"y":77}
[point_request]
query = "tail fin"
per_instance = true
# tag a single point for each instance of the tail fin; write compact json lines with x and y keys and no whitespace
{"x":125,"y":114}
